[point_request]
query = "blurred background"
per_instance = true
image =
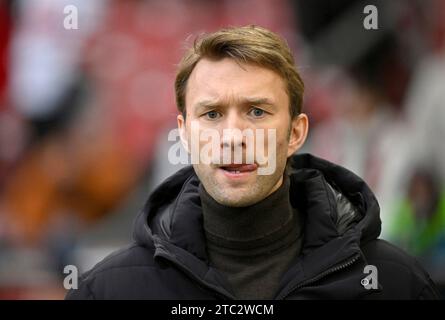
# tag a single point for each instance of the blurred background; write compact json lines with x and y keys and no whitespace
{"x":85,"y":115}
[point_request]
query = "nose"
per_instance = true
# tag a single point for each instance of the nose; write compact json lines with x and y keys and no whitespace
{"x":232,"y":133}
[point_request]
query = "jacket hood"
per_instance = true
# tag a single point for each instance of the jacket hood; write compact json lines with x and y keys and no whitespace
{"x":334,"y":202}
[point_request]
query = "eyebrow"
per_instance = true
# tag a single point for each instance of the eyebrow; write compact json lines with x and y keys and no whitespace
{"x":257,"y":101}
{"x":208,"y":104}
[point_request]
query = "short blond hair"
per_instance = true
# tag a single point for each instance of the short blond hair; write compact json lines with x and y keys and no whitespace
{"x":249,"y":44}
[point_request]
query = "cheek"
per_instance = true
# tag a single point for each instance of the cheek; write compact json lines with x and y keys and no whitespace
{"x":282,"y":150}
{"x":203,"y":172}
{"x":282,"y":141}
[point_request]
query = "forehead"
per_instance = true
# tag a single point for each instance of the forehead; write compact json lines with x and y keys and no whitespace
{"x":227,"y":79}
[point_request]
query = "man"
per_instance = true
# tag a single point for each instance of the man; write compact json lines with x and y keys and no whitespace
{"x":234,"y":229}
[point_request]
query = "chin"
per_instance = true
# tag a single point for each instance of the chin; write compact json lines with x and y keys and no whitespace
{"x":235,"y":201}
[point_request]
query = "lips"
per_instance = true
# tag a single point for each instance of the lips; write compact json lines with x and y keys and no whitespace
{"x":239,"y":168}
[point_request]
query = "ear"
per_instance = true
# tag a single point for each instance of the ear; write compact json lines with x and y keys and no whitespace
{"x":298,"y":133}
{"x":183,"y":132}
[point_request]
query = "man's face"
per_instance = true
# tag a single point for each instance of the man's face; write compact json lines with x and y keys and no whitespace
{"x":224,"y":95}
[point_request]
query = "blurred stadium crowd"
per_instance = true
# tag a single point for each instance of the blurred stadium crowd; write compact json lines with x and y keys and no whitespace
{"x":85,"y":113}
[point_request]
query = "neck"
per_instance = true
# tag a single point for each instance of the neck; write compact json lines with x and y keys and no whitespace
{"x":256,"y":225}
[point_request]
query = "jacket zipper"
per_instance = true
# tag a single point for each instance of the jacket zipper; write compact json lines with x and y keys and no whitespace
{"x":322,"y":275}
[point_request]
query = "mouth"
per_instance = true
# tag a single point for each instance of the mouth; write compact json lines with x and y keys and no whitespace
{"x":238,"y":170}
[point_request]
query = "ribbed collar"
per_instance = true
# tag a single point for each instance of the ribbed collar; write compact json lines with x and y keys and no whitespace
{"x":258,"y":226}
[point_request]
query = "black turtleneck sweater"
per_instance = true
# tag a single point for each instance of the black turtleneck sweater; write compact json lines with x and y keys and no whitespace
{"x":253,"y":246}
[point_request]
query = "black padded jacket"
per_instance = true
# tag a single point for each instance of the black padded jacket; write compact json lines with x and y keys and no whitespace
{"x":168,"y":259}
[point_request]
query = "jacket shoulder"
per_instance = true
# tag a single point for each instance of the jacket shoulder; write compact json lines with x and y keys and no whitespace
{"x":127,"y":257}
{"x":117,"y":267}
{"x":400,"y":275}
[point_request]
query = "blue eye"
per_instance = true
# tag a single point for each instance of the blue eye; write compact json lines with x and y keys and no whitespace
{"x":212,"y":115}
{"x":257,"y":112}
